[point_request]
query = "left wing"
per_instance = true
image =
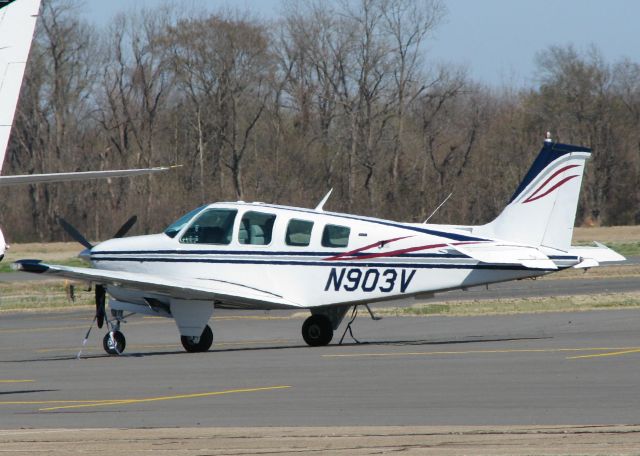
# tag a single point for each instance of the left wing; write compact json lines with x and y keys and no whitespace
{"x":73,"y":176}
{"x":233,"y":294}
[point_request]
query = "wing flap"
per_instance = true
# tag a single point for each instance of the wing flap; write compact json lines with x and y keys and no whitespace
{"x":235,"y":294}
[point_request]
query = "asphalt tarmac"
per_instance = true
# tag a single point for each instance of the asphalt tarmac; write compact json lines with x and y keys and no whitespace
{"x":547,"y":369}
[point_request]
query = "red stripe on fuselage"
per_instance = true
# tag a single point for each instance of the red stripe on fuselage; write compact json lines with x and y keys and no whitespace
{"x":396,"y":252}
{"x":366,"y":247}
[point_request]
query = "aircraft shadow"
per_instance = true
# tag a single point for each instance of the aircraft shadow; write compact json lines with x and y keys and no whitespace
{"x":409,"y":342}
{"x":3,"y":393}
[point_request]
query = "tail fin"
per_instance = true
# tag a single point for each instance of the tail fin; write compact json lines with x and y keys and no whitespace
{"x":17,"y":22}
{"x":542,"y":210}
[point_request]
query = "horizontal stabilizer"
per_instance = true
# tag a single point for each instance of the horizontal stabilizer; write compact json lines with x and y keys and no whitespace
{"x":593,"y":256}
{"x":526,"y":256}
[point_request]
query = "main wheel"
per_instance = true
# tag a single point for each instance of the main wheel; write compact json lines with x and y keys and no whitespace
{"x":317,"y":330}
{"x":114,"y":345}
{"x":198,"y":344}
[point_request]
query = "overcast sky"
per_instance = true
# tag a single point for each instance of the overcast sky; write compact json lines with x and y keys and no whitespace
{"x":495,"y":39}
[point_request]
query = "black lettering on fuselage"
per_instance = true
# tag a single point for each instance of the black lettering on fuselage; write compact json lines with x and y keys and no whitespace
{"x":390,"y":276}
{"x":405,"y":280}
{"x":333,"y":278}
{"x":369,"y":280}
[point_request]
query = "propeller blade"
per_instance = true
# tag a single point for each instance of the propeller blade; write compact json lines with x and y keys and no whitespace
{"x":100,"y":302}
{"x":124,"y":229}
{"x":75,"y":234}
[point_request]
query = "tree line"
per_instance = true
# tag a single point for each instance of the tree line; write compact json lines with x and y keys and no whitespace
{"x":335,"y":95}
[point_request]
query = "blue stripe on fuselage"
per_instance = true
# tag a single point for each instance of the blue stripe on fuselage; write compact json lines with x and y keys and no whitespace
{"x":320,"y":263}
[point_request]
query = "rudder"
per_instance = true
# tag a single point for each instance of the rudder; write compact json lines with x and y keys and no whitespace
{"x":543,"y":208}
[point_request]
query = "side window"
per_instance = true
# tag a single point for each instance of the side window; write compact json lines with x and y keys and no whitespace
{"x":256,"y":228}
{"x":211,"y":227}
{"x":298,"y":233}
{"x":335,"y":236}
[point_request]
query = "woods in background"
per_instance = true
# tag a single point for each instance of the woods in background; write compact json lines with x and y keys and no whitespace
{"x":331,"y":95}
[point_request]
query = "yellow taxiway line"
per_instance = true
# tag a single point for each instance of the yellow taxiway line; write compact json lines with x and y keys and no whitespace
{"x":17,"y":381}
{"x":74,"y":404}
{"x":602,"y":355}
{"x":617,"y":351}
{"x":163,"y":398}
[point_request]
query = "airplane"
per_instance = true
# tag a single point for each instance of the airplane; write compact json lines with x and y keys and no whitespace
{"x":17,"y":24}
{"x":241,"y":255}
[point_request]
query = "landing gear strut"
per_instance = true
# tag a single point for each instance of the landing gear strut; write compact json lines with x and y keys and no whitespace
{"x":198,"y":344}
{"x":317,"y":330}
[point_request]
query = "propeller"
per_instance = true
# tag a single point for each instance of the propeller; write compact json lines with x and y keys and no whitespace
{"x":100,"y":290}
{"x":75,"y":234}
{"x":100,"y":304}
{"x":124,"y":229}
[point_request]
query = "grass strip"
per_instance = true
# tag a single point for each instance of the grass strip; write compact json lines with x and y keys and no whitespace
{"x":508,"y":306}
{"x":43,"y":294}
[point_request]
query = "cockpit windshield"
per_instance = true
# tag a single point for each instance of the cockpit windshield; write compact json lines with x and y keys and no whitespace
{"x":176,"y":226}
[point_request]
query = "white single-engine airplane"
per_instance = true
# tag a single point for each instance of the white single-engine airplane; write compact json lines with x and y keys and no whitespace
{"x":262,"y":256}
{"x":17,"y":23}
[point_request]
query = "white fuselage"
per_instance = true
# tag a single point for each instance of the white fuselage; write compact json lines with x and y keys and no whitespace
{"x":382,"y":259}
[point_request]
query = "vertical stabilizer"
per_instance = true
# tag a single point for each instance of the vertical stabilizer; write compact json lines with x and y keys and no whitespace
{"x":542,"y":210}
{"x":17,"y":23}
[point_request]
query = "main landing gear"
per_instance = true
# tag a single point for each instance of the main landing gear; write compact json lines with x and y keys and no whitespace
{"x":317,"y":330}
{"x":198,"y":344}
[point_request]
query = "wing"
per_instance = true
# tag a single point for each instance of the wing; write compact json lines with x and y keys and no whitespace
{"x":80,"y":175}
{"x":227,"y":293}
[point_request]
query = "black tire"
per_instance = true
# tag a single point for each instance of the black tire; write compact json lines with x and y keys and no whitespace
{"x":110,"y":347}
{"x":317,"y":331}
{"x":199,"y":344}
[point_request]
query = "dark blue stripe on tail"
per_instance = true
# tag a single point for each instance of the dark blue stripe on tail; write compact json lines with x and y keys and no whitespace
{"x":549,"y":153}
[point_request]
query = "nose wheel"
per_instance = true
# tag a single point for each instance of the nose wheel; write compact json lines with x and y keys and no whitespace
{"x":317,"y":330}
{"x":114,"y":342}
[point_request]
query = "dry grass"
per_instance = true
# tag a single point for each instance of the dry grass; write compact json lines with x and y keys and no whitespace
{"x":42,"y":294}
{"x":510,"y":306}
{"x":52,"y":251}
{"x":605,"y":272}
{"x":616,"y":234}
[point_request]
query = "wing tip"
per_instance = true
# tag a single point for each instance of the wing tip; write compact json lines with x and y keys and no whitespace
{"x":30,"y":265}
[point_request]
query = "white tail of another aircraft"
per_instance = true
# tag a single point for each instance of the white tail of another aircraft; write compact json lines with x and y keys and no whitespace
{"x":542,"y":210}
{"x":17,"y":23}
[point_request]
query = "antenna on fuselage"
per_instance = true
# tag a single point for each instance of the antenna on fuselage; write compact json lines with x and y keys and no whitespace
{"x":324,"y":200}
{"x":439,"y":206}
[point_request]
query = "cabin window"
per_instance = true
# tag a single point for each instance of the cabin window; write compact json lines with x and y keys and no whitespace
{"x":256,"y":228}
{"x":335,"y":236}
{"x":298,"y":233}
{"x":176,"y":226}
{"x":213,"y":226}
